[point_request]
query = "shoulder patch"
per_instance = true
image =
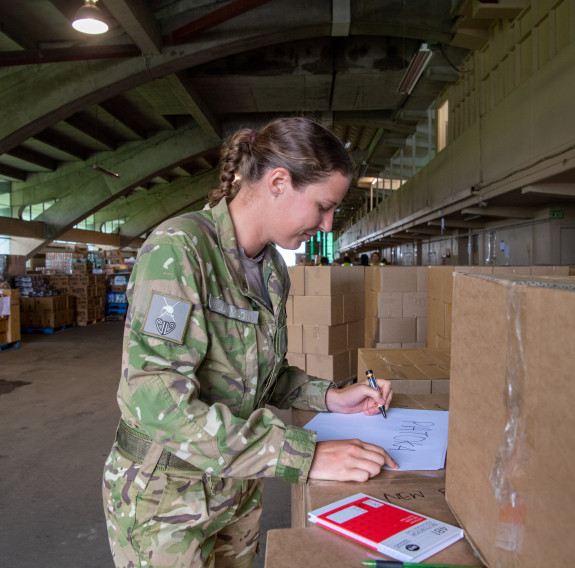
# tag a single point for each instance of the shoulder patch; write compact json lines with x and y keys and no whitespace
{"x":167,"y":317}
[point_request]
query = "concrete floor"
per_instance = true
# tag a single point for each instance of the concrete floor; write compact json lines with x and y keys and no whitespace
{"x":56,"y":433}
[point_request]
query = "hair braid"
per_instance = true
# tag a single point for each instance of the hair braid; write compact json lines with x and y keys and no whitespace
{"x":306,"y":149}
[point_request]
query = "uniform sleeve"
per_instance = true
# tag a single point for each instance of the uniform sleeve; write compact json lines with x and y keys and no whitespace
{"x":160,"y":391}
{"x":295,"y":388}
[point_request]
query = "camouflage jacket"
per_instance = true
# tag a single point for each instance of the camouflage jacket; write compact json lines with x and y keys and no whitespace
{"x":203,"y":355}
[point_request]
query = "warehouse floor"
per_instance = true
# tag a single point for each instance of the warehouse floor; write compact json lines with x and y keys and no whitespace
{"x":58,"y":415}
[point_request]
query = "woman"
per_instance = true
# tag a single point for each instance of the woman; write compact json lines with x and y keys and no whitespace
{"x":204,"y":352}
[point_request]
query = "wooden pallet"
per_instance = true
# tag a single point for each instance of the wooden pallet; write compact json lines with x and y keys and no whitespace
{"x":90,"y":322}
{"x":10,"y":346}
{"x":115,"y":317}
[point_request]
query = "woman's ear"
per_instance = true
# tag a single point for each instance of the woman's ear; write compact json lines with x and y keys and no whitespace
{"x":279,"y":180}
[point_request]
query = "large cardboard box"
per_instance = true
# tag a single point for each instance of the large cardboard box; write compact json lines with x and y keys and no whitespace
{"x":295,"y":344}
{"x":325,"y":339}
{"x":397,"y":330}
{"x":297,"y":279}
{"x":412,"y":371}
{"x":318,"y":310}
{"x":332,"y":367}
{"x":390,"y":304}
{"x":398,"y":278}
{"x":333,"y":280}
{"x":296,"y":359}
{"x":511,"y":453}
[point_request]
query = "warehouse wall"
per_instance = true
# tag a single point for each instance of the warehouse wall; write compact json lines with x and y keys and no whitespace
{"x":545,"y":242}
{"x":511,"y":124}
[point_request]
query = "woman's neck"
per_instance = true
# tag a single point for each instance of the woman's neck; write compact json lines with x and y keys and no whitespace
{"x":246,"y":218}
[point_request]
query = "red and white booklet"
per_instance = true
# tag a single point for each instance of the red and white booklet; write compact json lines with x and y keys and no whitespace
{"x":395,"y":531}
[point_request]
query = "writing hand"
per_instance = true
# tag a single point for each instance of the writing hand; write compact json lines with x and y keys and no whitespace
{"x":348,"y":460}
{"x":360,"y":397}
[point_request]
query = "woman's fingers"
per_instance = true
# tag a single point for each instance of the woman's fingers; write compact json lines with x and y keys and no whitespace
{"x":348,"y":460}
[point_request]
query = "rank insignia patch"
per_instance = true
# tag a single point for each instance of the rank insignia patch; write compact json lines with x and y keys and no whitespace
{"x":167,"y":317}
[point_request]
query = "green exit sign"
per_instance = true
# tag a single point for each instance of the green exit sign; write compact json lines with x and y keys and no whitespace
{"x":556,"y":214}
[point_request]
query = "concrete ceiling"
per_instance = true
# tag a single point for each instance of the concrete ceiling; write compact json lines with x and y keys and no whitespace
{"x":151,"y":100}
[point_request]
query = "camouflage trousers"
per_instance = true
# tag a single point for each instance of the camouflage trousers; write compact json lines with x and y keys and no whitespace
{"x":165,"y":518}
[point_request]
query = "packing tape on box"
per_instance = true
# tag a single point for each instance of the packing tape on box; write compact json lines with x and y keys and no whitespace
{"x":512,"y":452}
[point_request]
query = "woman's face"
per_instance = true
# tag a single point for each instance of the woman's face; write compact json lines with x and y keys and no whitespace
{"x":301,"y":214}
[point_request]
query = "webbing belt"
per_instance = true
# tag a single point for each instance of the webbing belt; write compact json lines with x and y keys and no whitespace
{"x":134,"y":445}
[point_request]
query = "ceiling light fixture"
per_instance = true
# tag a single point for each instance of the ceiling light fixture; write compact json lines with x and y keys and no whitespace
{"x":105,"y":171}
{"x":414,"y":70}
{"x":89,"y":19}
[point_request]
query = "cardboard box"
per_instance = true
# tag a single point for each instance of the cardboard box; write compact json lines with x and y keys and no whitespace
{"x":332,"y":367}
{"x":398,"y":279}
{"x":333,"y":280}
{"x":412,"y":371}
{"x":415,"y":305}
{"x":324,"y":339}
{"x":371,"y":300}
{"x":355,"y":335}
{"x":354,"y":306}
{"x":296,"y":359}
{"x":397,"y":330}
{"x":421,"y":330}
{"x":82,"y":267}
{"x":289,"y":310}
{"x":372,"y":278}
{"x":295,"y":343}
{"x":422,"y":279}
{"x":440,"y":282}
{"x":435,"y":318}
{"x":511,"y":453}
{"x":318,"y":310}
{"x":390,"y":304}
{"x":371,"y":330}
{"x":297,"y":278}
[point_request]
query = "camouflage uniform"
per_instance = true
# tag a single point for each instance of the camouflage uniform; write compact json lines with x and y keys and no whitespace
{"x":202,"y":357}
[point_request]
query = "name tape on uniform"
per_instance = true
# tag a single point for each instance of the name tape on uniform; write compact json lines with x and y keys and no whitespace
{"x":220,"y":307}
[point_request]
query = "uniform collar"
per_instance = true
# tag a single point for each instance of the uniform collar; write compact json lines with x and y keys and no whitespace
{"x":274,"y":269}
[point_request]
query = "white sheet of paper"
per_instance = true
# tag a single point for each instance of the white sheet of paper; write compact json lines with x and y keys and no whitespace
{"x":415,"y":439}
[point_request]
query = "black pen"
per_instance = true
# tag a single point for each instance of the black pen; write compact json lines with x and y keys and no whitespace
{"x":373,"y":384}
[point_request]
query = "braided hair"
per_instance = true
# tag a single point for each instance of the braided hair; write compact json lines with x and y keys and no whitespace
{"x":306,"y":149}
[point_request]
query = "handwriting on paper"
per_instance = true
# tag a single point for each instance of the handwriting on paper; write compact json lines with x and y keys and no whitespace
{"x":412,"y":435}
{"x":415,"y":439}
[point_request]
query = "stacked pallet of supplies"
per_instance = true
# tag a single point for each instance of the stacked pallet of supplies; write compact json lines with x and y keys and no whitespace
{"x":90,"y":292}
{"x":326,"y":311}
{"x":87,"y":290}
{"x":47,"y":312}
{"x":9,"y":316}
{"x":116,"y":299}
{"x":396,"y":307}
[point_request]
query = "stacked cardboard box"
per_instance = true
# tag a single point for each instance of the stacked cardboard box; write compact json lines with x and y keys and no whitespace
{"x":411,"y":371}
{"x":10,"y":321}
{"x":511,"y":454}
{"x":47,"y":312}
{"x":396,"y":307}
{"x":89,"y":291}
{"x":326,"y":311}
